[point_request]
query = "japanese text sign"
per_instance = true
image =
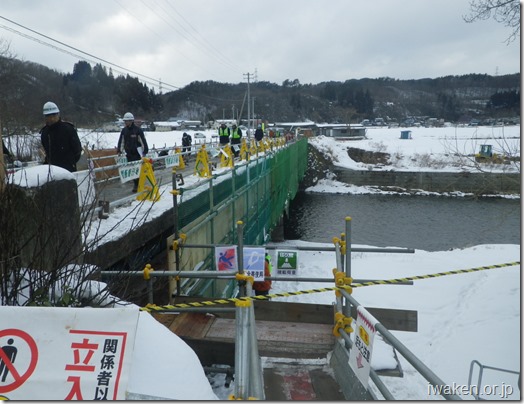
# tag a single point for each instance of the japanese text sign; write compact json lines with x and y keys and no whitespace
{"x":66,"y":353}
{"x":360,"y":354}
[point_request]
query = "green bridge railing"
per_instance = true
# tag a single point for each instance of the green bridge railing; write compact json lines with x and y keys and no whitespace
{"x":257,"y":193}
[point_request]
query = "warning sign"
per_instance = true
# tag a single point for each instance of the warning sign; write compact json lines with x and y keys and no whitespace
{"x":66,"y":353}
{"x":18,"y":358}
{"x":360,"y":354}
{"x":226,"y":258}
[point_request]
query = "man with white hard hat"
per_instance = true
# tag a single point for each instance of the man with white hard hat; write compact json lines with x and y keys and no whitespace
{"x":59,"y":139}
{"x":132,"y":142}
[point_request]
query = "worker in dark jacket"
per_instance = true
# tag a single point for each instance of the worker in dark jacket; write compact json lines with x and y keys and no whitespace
{"x":236,"y":136}
{"x":186,"y":143}
{"x":259,"y":133}
{"x":223,"y":134}
{"x":59,"y":139}
{"x":132,"y":142}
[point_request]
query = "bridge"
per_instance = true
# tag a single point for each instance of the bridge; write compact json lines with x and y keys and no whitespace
{"x":256,"y":191}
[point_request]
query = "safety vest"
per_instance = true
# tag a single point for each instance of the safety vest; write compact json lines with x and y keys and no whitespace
{"x":222,"y":132}
{"x":268,"y":259}
{"x":235,"y":134}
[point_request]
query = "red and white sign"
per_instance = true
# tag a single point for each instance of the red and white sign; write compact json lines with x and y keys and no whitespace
{"x":226,"y":258}
{"x":360,"y":354}
{"x":65,"y":353}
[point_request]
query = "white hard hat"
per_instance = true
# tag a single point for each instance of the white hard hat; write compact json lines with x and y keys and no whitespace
{"x":50,"y":108}
{"x":128,"y":116}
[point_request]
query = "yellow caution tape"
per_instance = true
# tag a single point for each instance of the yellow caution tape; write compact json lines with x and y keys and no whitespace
{"x":419,"y":277}
{"x":243,"y":303}
{"x":320,"y":290}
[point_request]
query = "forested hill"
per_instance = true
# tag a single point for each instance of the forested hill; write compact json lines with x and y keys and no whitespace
{"x":451,"y":98}
{"x":92,"y":95}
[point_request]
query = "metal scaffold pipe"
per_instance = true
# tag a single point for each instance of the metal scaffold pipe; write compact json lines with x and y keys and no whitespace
{"x":319,"y":248}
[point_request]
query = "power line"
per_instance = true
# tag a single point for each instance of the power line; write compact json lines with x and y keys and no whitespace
{"x":72,"y":47}
{"x":160,"y":36}
{"x":171,"y":26}
{"x":92,"y":58}
{"x":201,"y":39}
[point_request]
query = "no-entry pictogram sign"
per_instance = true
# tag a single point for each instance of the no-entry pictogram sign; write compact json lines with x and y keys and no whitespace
{"x":16,"y":345}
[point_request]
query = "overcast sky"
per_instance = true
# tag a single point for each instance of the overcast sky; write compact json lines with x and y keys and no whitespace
{"x":313,"y":41}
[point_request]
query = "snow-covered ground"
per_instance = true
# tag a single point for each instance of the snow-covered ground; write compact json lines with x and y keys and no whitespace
{"x":428,"y":149}
{"x":449,"y":149}
{"x":473,"y":316}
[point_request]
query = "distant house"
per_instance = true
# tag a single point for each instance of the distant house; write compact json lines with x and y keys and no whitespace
{"x":354,"y":131}
{"x":229,"y":122}
{"x":298,"y":127}
{"x":186,"y":124}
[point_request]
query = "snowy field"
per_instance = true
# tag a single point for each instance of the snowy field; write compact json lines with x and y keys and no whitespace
{"x":449,"y":149}
{"x":429,"y":149}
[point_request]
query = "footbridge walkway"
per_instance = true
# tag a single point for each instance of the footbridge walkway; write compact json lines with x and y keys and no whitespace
{"x":209,"y":194}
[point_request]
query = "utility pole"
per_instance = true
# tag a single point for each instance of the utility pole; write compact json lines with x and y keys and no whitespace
{"x":253,"y":112}
{"x":248,"y":75}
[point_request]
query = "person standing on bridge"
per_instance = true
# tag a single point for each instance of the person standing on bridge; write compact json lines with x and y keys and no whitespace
{"x":259,"y":133}
{"x":236,"y":135}
{"x":223,"y":134}
{"x":262,"y":288}
{"x":132,"y":142}
{"x":186,"y":143}
{"x":59,"y":139}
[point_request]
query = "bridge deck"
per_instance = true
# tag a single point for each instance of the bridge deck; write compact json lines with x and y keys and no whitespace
{"x":294,"y":353}
{"x":275,"y":338}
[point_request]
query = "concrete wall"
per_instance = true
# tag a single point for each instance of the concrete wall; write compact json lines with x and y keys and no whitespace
{"x":46,"y":223}
{"x":477,"y":183}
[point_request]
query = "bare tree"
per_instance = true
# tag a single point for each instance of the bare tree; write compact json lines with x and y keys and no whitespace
{"x":45,"y":243}
{"x":506,"y":12}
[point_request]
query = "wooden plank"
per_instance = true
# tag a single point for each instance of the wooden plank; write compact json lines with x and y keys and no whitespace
{"x":164,"y":319}
{"x":277,"y":339}
{"x":294,"y":312}
{"x":274,"y":310}
{"x":392,"y":319}
{"x":193,"y":325}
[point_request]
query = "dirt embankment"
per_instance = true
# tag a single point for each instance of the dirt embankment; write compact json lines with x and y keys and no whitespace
{"x":368,"y":157}
{"x":320,"y":166}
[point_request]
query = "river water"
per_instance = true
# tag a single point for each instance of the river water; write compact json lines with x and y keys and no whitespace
{"x":422,"y":222}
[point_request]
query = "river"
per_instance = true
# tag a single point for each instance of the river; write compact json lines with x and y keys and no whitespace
{"x":422,"y":222}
